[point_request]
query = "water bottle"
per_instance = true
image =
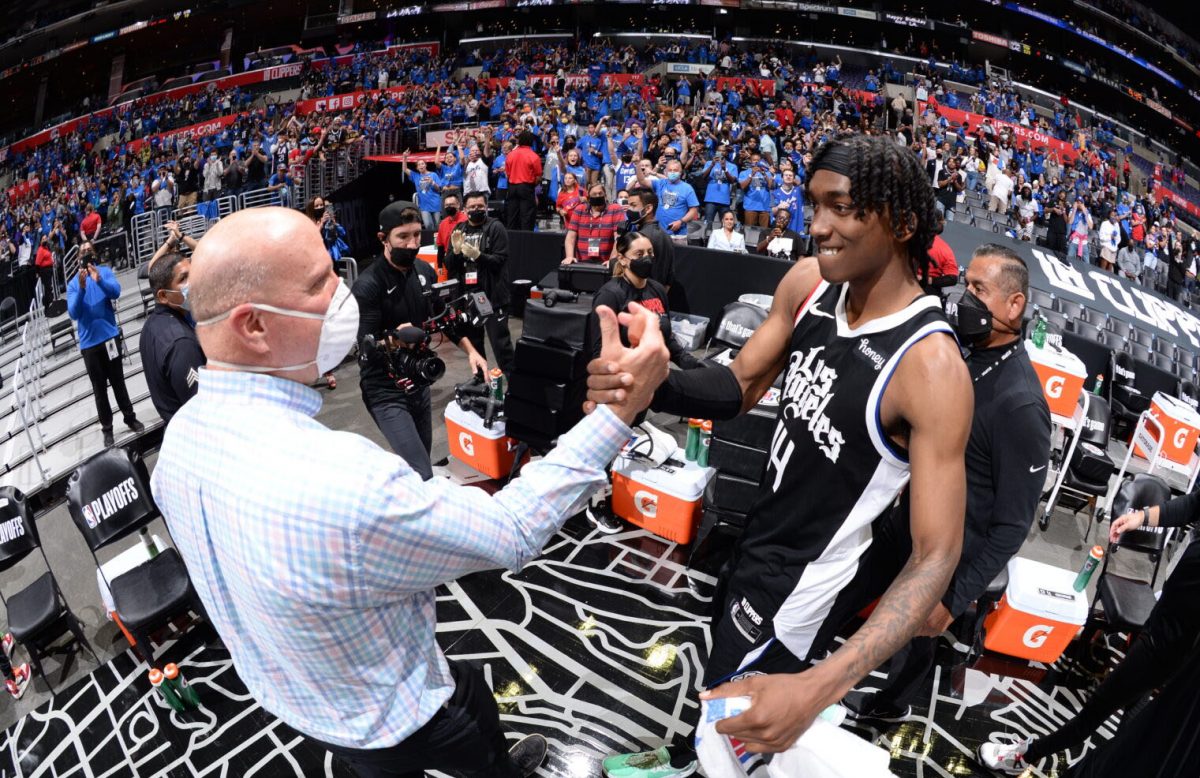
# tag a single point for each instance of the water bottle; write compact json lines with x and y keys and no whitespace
{"x":1089,"y":566}
{"x":692,"y":448}
{"x":1099,"y":384}
{"x":165,"y":690}
{"x":148,"y":542}
{"x":173,"y":677}
{"x":1039,"y":331}
{"x":705,"y":442}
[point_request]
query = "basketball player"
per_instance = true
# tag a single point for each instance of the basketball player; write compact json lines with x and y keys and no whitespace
{"x":875,"y":394}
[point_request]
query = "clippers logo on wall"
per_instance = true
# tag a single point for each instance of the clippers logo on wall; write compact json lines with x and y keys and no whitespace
{"x":108,"y":504}
{"x":1093,"y":287}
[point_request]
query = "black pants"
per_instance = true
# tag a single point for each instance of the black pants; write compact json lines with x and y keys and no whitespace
{"x":464,"y":736}
{"x":406,"y":420}
{"x":908,"y":673}
{"x":520,"y":207}
{"x":1158,"y":653}
{"x":46,"y":276}
{"x":497,"y":332}
{"x":104,"y":372}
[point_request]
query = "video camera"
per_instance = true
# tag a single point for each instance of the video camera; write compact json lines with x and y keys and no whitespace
{"x":414,"y":364}
{"x":476,"y":396}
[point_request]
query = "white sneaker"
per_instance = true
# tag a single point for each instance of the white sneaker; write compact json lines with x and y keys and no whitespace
{"x":7,"y":642}
{"x":1007,"y":758}
{"x":20,"y":680}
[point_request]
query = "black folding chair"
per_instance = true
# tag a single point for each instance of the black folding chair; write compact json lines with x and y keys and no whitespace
{"x":1127,"y":602}
{"x":109,"y":499}
{"x":38,"y":615}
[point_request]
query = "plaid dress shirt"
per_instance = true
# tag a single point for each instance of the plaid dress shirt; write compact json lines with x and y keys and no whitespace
{"x":595,"y":235}
{"x":316,"y":552}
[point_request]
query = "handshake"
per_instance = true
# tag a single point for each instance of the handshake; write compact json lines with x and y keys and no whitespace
{"x":626,"y":377}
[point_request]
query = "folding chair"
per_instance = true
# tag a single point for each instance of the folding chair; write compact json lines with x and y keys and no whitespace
{"x":38,"y":615}
{"x":109,"y":500}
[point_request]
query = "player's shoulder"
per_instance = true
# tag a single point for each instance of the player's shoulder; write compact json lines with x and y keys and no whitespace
{"x":798,"y":284}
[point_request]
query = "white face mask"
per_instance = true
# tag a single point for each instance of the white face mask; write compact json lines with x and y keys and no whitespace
{"x":339,"y":332}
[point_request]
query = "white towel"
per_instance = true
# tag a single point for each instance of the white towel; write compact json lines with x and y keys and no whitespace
{"x":823,"y":751}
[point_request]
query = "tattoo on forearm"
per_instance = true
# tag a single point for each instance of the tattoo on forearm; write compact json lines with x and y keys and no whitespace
{"x":899,"y":615}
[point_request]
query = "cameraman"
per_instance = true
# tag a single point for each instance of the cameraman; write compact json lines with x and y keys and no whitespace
{"x":391,"y":295}
{"x":478,"y":257}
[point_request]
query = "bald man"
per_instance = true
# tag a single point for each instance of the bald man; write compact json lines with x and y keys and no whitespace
{"x":316,"y":552}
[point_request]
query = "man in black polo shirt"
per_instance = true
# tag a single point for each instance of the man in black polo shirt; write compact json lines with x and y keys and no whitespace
{"x":171,"y":353}
{"x":1006,"y":458}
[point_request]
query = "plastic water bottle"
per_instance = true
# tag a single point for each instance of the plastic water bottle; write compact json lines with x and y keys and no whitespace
{"x":1089,"y":566}
{"x":165,"y":690}
{"x":1039,"y":331}
{"x":691,"y":449}
{"x":148,"y":542}
{"x":1099,"y":383}
{"x":173,"y":677}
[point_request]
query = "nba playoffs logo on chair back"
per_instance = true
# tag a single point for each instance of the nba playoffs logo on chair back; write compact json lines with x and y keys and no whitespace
{"x":108,"y":495}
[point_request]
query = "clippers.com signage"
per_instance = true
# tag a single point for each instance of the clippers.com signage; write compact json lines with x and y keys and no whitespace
{"x":1035,"y":137}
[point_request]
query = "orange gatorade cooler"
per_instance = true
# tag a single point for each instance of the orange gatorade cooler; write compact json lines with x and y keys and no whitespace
{"x":1061,"y":375}
{"x":489,"y":451}
{"x":1181,"y":426}
{"x":428,"y":254}
{"x":1039,"y":614}
{"x":664,"y":500}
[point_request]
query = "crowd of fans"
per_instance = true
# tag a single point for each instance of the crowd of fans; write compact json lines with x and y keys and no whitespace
{"x":736,"y":146}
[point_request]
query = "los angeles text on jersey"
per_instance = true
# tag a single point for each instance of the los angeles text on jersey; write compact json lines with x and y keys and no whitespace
{"x":107,"y":504}
{"x":808,"y":388}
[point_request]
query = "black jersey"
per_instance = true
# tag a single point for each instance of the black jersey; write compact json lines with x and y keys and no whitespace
{"x":832,"y":471}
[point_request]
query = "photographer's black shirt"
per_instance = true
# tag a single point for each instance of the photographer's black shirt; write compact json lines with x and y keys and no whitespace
{"x":387,"y":298}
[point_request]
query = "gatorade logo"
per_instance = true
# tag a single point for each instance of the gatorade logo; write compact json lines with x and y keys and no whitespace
{"x":1054,"y":386}
{"x":1036,"y":635}
{"x":646,"y":503}
{"x":467,"y":443}
{"x":1180,"y":437}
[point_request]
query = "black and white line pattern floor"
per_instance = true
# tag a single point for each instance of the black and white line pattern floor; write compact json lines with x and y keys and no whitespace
{"x":597,"y":644}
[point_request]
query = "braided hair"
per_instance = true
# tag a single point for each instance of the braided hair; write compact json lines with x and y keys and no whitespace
{"x":887,"y":178}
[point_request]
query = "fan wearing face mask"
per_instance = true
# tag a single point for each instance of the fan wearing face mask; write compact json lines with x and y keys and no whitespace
{"x":390,"y":296}
{"x":478,"y":257}
{"x":632,"y":282}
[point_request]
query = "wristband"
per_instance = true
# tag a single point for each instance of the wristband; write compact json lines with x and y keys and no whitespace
{"x":711,"y":392}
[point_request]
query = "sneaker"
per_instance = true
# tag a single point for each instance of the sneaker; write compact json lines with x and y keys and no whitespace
{"x":647,"y":764}
{"x":861,"y":706}
{"x":602,"y":516}
{"x":1007,"y":758}
{"x":20,"y":680}
{"x":136,"y":426}
{"x":528,"y":753}
{"x":7,"y":641}
{"x":108,"y":438}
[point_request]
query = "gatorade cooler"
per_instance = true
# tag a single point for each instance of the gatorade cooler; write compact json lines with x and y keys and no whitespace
{"x":489,"y":451}
{"x":429,"y":254}
{"x":664,"y":500}
{"x":1039,"y":614}
{"x":1181,"y":427}
{"x":1061,"y":374}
